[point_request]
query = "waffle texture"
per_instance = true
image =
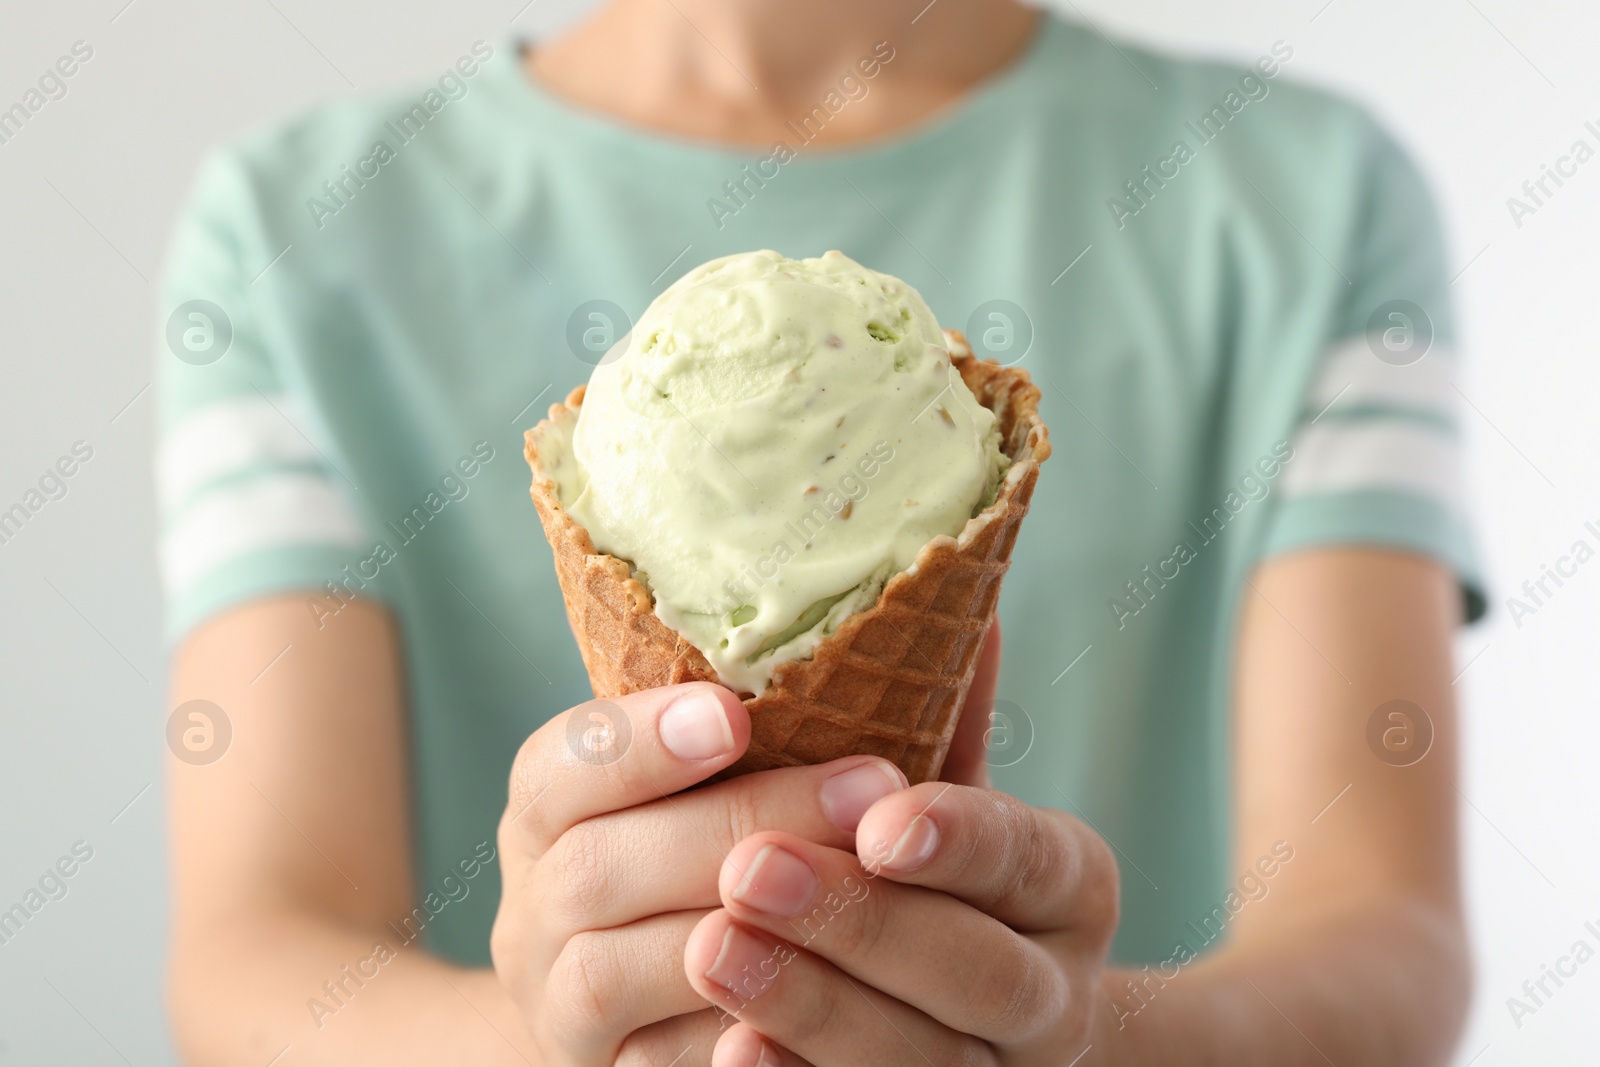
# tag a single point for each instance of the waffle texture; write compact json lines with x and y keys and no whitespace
{"x":891,"y":680}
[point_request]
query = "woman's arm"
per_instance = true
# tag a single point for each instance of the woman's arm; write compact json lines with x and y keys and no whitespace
{"x":291,"y":859}
{"x":1353,"y":950}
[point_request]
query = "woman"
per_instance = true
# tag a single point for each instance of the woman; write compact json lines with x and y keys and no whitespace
{"x":1227,"y":670}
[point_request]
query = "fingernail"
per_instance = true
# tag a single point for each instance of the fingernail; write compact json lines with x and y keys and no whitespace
{"x":744,"y":966}
{"x":915,"y":846}
{"x":778,"y":882}
{"x":695,"y":726}
{"x":847,"y":795}
{"x":767,"y":1057}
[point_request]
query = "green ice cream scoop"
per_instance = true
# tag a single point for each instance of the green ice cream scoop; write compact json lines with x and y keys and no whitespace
{"x":774,"y":440}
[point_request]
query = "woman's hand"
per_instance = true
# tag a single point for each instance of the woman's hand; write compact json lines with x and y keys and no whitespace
{"x":965,"y":927}
{"x":606,"y":871}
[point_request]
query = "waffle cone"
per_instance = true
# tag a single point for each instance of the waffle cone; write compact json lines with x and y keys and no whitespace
{"x":891,"y":680}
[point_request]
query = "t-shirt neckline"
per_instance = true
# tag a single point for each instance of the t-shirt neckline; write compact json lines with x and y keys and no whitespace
{"x":990,"y":98}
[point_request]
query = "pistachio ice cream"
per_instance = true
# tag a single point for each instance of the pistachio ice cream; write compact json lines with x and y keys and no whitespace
{"x":772,"y":442}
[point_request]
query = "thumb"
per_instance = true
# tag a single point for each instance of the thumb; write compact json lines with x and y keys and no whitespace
{"x":968,"y":760}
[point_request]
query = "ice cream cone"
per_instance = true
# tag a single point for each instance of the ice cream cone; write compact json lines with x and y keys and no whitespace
{"x":891,"y":680}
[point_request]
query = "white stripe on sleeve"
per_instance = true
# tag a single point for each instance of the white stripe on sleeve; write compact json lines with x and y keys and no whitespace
{"x":273,"y":511}
{"x":1395,"y":454}
{"x":224,"y":438}
{"x":1351,"y":373}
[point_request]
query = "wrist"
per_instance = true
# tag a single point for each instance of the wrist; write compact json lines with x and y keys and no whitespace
{"x":1109,"y":1021}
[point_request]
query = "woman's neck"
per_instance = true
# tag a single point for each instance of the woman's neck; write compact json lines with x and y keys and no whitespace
{"x":739,"y":71}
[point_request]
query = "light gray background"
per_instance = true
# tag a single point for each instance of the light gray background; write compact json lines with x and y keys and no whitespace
{"x":1484,"y":91}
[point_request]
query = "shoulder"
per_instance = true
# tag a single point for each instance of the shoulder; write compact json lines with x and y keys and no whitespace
{"x":266,"y":177}
{"x":1238,"y":164}
{"x":1253,"y":113}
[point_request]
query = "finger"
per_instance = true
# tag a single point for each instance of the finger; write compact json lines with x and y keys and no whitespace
{"x":611,"y":754}
{"x":681,"y":1041}
{"x":664,"y":856}
{"x":1031,"y":868}
{"x":968,"y":759}
{"x":605,"y":984}
{"x":808,"y":1006}
{"x":742,"y":1046}
{"x":922,"y":947}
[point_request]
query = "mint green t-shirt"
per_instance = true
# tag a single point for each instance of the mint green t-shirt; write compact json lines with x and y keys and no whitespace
{"x":1231,"y":290}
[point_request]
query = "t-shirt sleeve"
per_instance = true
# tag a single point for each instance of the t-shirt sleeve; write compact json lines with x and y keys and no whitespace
{"x":1377,"y":448}
{"x":251,"y":502}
